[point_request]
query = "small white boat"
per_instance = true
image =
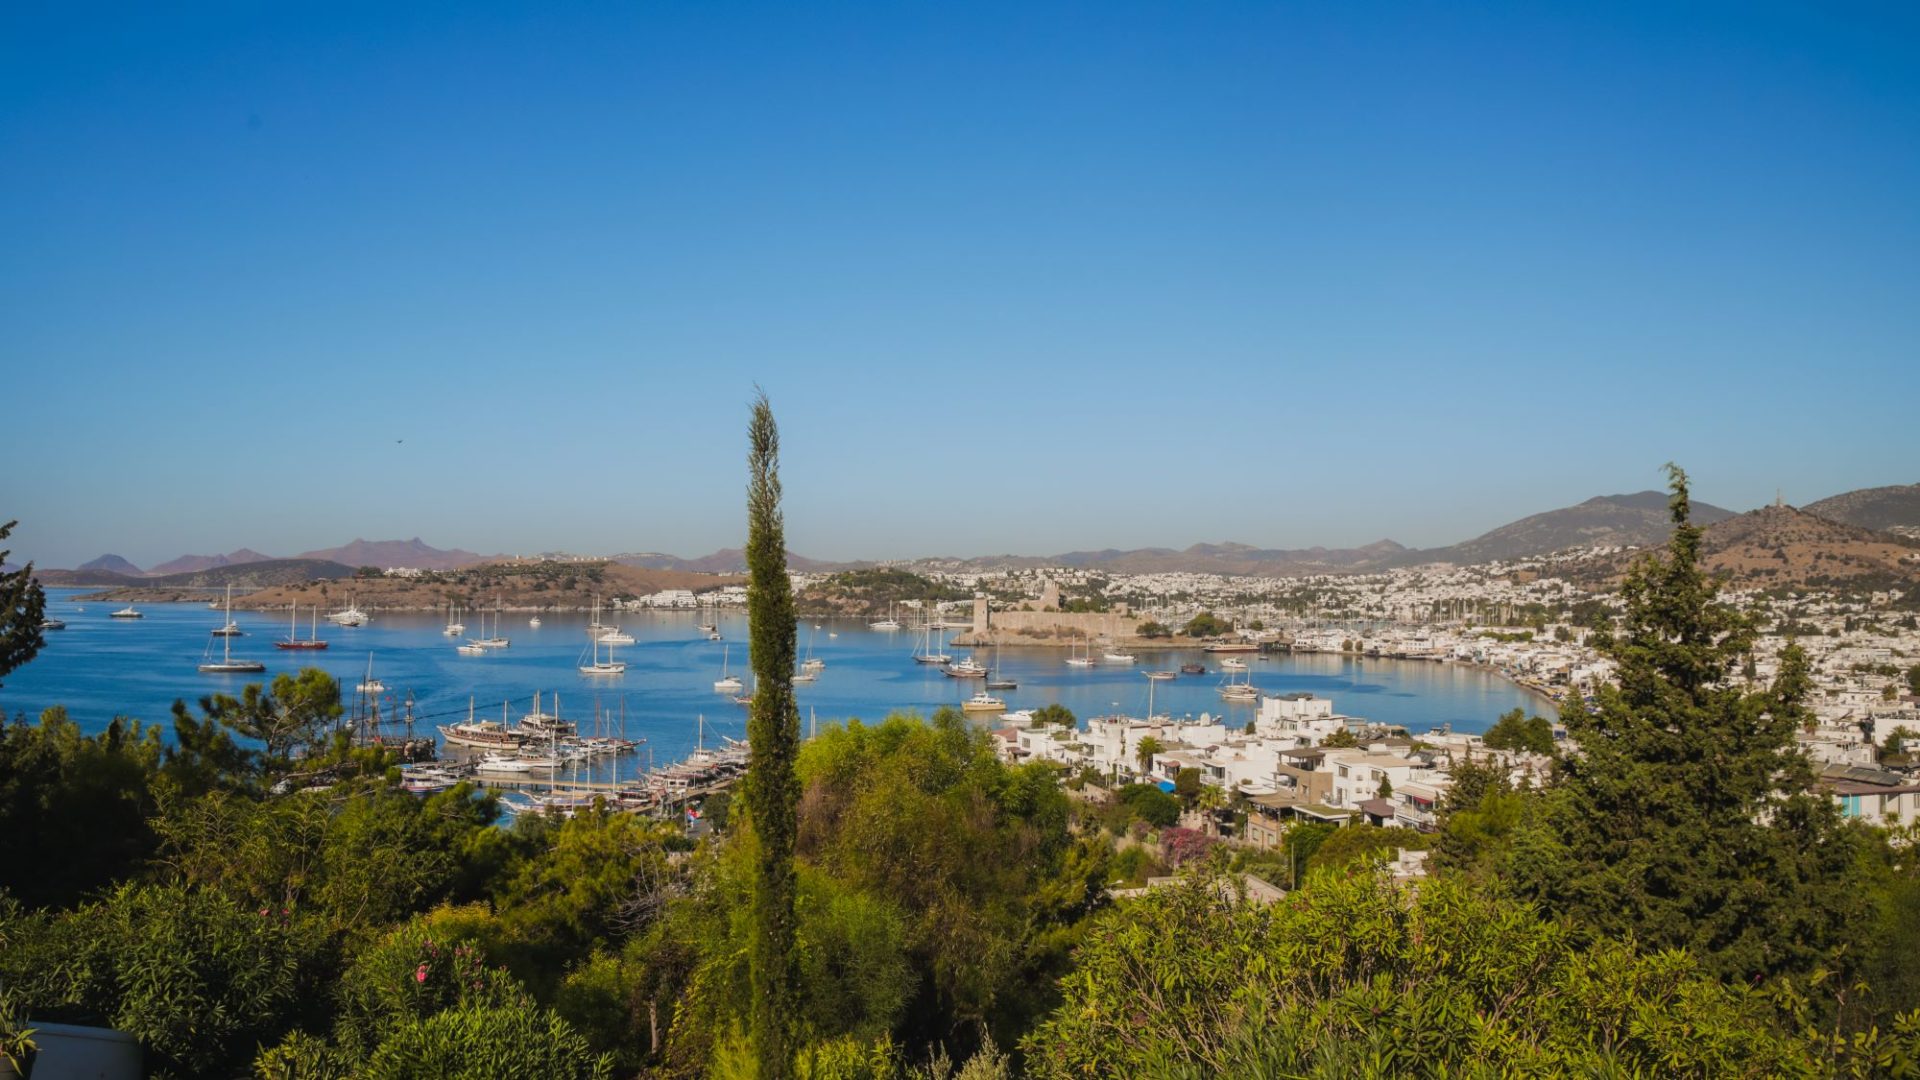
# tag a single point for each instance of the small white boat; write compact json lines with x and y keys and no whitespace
{"x":127,"y":612}
{"x":609,"y":638}
{"x":615,"y":636}
{"x":51,"y":623}
{"x":804,"y":676}
{"x":1118,"y":657}
{"x":983,"y":702}
{"x":1079,"y":659}
{"x":967,"y":668}
{"x":471,"y":649}
{"x":502,"y":763}
{"x":534,"y":622}
{"x":1231,"y":664}
{"x":454,"y":627}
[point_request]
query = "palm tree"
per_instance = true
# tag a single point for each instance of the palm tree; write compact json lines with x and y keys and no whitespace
{"x":1148,"y":747}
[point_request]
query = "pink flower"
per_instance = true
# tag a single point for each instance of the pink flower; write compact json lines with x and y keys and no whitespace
{"x":420,"y":973}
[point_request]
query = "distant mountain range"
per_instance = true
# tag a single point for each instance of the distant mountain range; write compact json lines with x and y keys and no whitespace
{"x":250,"y":575}
{"x":1633,"y":521}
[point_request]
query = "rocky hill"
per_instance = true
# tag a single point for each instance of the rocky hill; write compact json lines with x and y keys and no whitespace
{"x":1894,"y":508}
{"x":385,"y":553}
{"x":1637,"y":520}
{"x":109,"y":564}
{"x":188,"y":564}
{"x":1779,"y":545}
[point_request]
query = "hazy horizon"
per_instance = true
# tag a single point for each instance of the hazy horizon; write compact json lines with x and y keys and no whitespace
{"x":1016,"y":279}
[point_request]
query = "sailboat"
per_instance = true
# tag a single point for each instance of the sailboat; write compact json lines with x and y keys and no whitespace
{"x":888,"y":624}
{"x":454,"y":627}
{"x":231,"y":629}
{"x":811,"y":664}
{"x":496,"y":641}
{"x":227,"y":665}
{"x":929,"y":654}
{"x":1080,"y":659}
{"x":609,"y":666}
{"x":371,"y":685}
{"x":351,"y":616}
{"x":313,"y":632}
{"x":996,"y":680}
{"x":711,"y":626}
{"x":1239,"y":691}
{"x":726,"y":684}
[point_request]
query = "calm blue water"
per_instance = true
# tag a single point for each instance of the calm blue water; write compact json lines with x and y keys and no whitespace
{"x":100,"y":667}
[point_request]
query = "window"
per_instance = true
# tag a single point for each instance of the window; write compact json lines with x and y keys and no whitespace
{"x":1850,"y":805}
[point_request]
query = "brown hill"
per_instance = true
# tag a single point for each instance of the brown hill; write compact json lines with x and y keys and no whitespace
{"x":1887,"y":508}
{"x":188,"y":564}
{"x":412,"y":553}
{"x":1779,"y":545}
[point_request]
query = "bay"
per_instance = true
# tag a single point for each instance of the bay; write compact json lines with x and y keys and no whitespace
{"x":100,"y":667}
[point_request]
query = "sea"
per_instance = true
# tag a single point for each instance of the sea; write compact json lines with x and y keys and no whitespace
{"x":100,"y":668}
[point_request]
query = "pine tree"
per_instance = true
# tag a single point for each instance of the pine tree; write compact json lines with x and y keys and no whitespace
{"x":23,"y":607}
{"x":1684,"y":816}
{"x":773,"y":731}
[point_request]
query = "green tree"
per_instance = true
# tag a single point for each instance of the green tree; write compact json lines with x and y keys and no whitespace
{"x":1341,"y":739}
{"x":1144,"y":752}
{"x":1152,"y":629}
{"x":74,"y":809}
{"x":23,"y":607}
{"x":1684,"y":819}
{"x":295,"y":709}
{"x":1354,"y":976}
{"x":773,"y":730}
{"x":1516,"y":731}
{"x":1913,"y":677}
{"x":1206,"y":625}
{"x":1055,"y":713}
{"x":1186,"y":785}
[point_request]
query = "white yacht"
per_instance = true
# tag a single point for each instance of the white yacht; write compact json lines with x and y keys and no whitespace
{"x":231,"y":629}
{"x":887,"y":624}
{"x":454,"y":627}
{"x":127,"y":612}
{"x":983,"y":702}
{"x":1118,"y":657}
{"x":371,"y":685}
{"x":965,"y":668}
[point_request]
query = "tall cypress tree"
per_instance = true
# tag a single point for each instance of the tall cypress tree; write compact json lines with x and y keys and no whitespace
{"x":23,"y":607}
{"x":773,"y":730}
{"x":1684,"y":818}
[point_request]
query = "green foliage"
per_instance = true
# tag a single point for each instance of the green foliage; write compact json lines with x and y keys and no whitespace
{"x":1685,"y":818}
{"x":773,"y":728}
{"x":1148,"y":803}
{"x":1152,"y":629}
{"x":1206,"y":625}
{"x":1056,"y":713}
{"x":1145,"y":751}
{"x":192,"y":975}
{"x":1913,"y":679}
{"x":1341,"y":739}
{"x":1353,"y":843}
{"x":295,"y":710}
{"x":23,"y":607}
{"x":73,"y":808}
{"x":1353,"y":977}
{"x":520,"y":1042}
{"x":1186,"y":785}
{"x":1517,"y":731}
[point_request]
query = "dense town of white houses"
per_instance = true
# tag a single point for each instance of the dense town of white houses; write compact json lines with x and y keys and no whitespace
{"x":1518,"y":619}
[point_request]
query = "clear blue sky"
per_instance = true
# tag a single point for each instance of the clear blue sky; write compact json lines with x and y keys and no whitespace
{"x":1025,"y":277}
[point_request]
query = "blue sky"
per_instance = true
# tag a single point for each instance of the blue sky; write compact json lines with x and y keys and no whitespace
{"x":1023,"y":277}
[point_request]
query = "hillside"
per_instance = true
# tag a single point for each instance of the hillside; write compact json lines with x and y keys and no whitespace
{"x":1637,"y":520}
{"x":1779,"y":545}
{"x":199,"y":584}
{"x":515,"y":586}
{"x":187,"y":564}
{"x":725,"y":561}
{"x":385,"y":553}
{"x":1885,"y":508}
{"x":109,"y":564}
